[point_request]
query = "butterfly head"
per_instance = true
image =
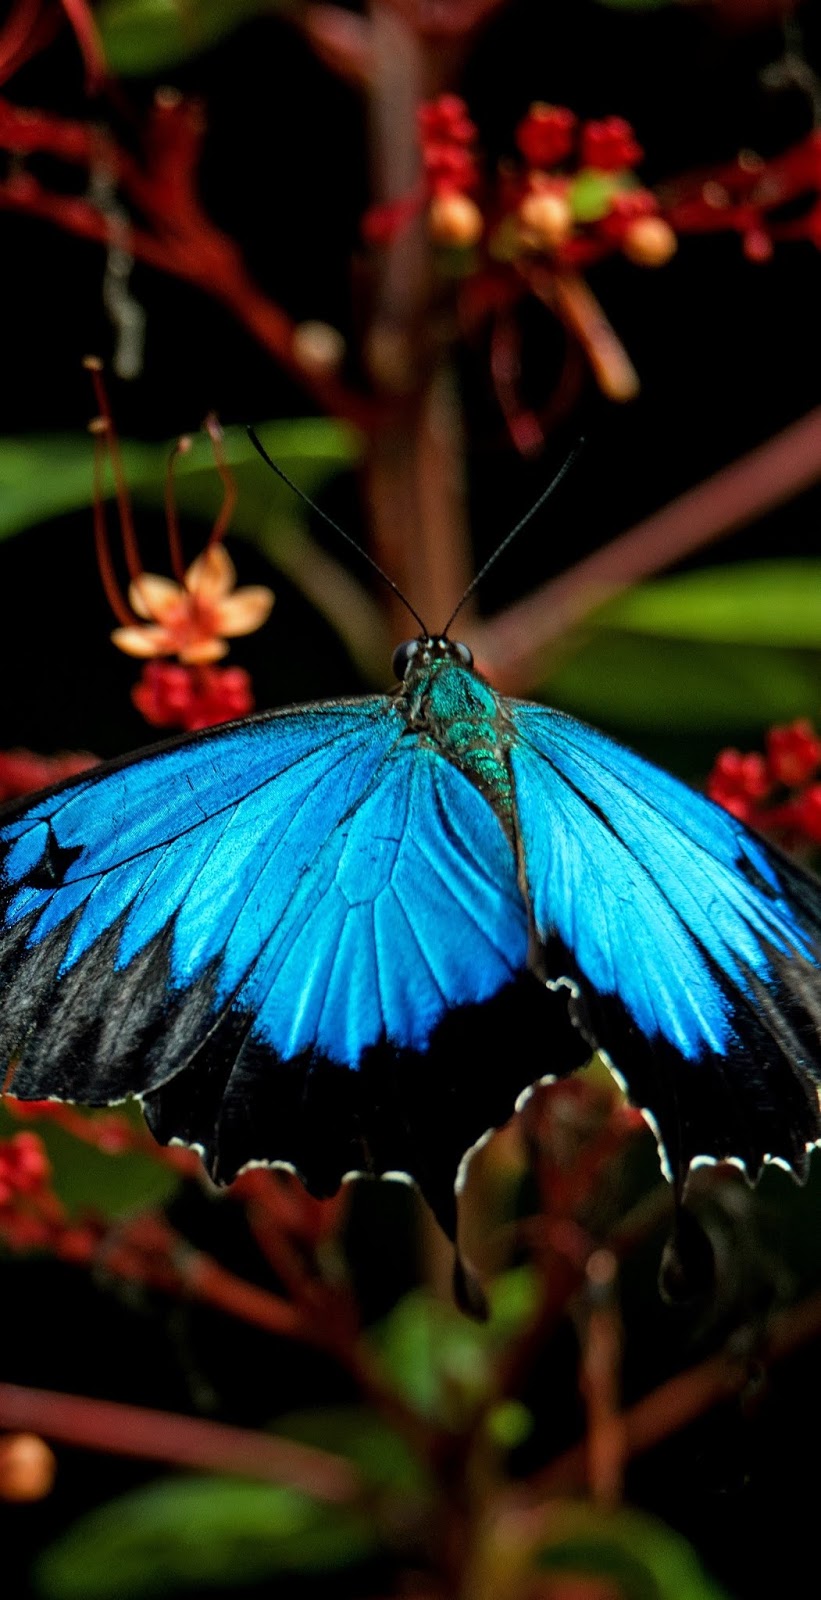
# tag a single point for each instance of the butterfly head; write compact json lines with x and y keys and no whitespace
{"x":418,"y":655}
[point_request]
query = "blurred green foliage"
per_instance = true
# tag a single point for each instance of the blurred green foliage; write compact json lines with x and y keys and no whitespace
{"x":185,"y":1533}
{"x":89,"y":1179}
{"x":42,"y":476}
{"x":142,"y":36}
{"x":702,"y":652}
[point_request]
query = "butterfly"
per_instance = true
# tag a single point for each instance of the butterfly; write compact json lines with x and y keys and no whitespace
{"x":348,"y":936}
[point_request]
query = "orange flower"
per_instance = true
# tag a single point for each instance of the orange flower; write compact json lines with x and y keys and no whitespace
{"x":193,"y":619}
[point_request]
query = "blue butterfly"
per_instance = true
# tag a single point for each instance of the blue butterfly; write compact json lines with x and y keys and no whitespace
{"x":347,"y":936}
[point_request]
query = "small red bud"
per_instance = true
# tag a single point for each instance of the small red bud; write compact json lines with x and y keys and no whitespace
{"x":793,"y":753}
{"x":545,"y":136}
{"x":757,"y":245}
{"x":609,"y":145}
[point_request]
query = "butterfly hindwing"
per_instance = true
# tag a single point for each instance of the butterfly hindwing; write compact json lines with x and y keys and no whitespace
{"x":693,"y":947}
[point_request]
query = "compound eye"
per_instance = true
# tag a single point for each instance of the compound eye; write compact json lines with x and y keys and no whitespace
{"x":403,"y":656}
{"x":465,"y":655}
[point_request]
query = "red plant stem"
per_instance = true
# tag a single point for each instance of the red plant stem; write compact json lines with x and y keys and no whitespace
{"x":600,"y":1374}
{"x":570,"y":296}
{"x":229,"y":482}
{"x":513,"y":648}
{"x":180,"y":239}
{"x":105,"y":566}
{"x":172,"y":521}
{"x":682,"y":1399}
{"x":88,"y":38}
{"x":123,"y":498}
{"x":17,"y":34}
{"x":149,"y":1435}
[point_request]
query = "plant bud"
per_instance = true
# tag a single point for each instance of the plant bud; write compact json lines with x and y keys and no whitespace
{"x":545,"y":220}
{"x":27,"y":1467}
{"x":455,"y":221}
{"x":650,"y":242}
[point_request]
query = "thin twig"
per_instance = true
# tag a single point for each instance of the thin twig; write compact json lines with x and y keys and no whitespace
{"x":688,"y":1396}
{"x":125,"y":1430}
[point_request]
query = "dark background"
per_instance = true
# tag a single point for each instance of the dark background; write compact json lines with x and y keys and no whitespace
{"x":729,"y":354}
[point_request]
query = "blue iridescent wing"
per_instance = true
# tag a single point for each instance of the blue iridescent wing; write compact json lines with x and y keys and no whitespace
{"x":692,"y":946}
{"x":238,"y":926}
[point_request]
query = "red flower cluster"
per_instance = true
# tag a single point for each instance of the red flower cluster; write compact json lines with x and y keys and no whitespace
{"x":448,"y":139}
{"x":575,"y":200}
{"x":24,"y":1167}
{"x":777,"y":792}
{"x":171,"y":695}
{"x":30,"y":1212}
{"x":21,"y":771}
{"x":577,"y":197}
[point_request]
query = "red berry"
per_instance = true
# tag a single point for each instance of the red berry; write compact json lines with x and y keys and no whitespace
{"x":757,"y":244}
{"x":738,"y":782}
{"x":449,"y":168}
{"x":793,"y":753}
{"x":170,"y":695}
{"x":545,"y":136}
{"x":609,"y":145}
{"x":446,"y":119}
{"x":24,"y":1166}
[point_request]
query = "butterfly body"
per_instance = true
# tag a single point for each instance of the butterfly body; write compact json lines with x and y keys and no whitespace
{"x":347,"y":936}
{"x":444,"y":702}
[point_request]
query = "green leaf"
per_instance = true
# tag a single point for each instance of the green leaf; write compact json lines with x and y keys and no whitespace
{"x":144,"y":36}
{"x":44,"y":476}
{"x":192,"y":1533}
{"x":87,"y":1179}
{"x":772,"y":603}
{"x":440,"y":1361}
{"x":591,"y":193}
{"x":382,"y":1456}
{"x":657,"y":684}
{"x":641,"y":1557}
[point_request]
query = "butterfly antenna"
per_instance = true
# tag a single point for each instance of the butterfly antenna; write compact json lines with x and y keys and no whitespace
{"x":522,"y":523}
{"x":394,"y":587}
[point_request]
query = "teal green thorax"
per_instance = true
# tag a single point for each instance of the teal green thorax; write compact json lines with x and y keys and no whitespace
{"x":448,"y":704}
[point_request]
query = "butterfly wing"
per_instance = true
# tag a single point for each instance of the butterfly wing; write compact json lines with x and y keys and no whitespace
{"x":693,"y":948}
{"x":238,"y":926}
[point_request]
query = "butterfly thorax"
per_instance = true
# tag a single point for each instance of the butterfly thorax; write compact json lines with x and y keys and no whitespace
{"x":449,"y":706}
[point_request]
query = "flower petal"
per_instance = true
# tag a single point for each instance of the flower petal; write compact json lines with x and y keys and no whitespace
{"x":143,"y":640}
{"x":212,"y":575}
{"x":195,"y":655}
{"x":150,"y":595}
{"x":244,"y":611}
